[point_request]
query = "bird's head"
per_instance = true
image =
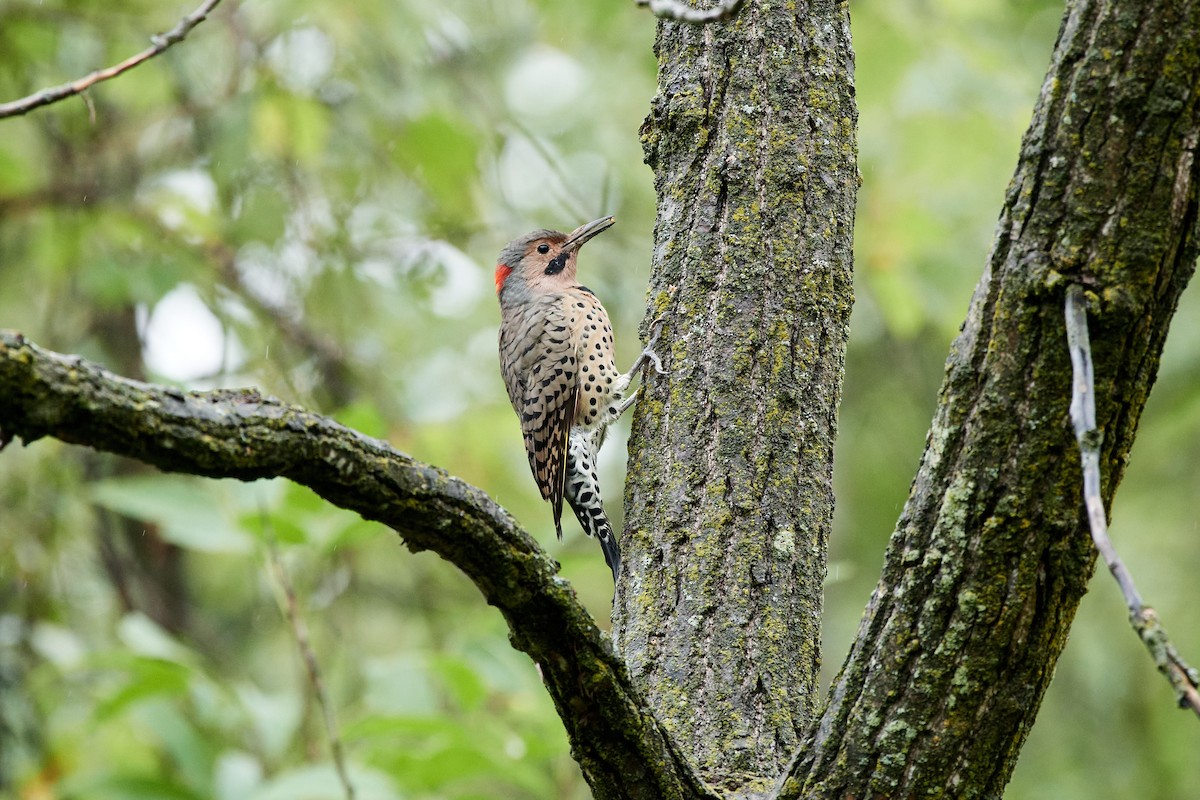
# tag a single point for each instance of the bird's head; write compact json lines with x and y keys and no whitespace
{"x":542,"y":260}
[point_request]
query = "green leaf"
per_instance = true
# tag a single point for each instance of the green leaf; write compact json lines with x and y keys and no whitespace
{"x":461,"y":681}
{"x":146,"y":638}
{"x":276,"y":716}
{"x":260,"y":213}
{"x":144,"y":678}
{"x":177,"y":734}
{"x":131,"y":787}
{"x":291,"y":126}
{"x":399,"y":685}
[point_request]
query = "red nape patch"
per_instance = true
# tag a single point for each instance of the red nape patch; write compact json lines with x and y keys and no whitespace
{"x":502,"y":273}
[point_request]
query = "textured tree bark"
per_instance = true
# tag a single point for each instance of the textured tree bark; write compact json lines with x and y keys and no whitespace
{"x":991,"y":555}
{"x":729,"y":507}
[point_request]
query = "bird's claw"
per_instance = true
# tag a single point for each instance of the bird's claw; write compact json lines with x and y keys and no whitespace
{"x":648,"y":353}
{"x":652,"y":357}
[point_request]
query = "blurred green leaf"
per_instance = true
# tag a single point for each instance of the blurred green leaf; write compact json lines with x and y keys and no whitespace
{"x":237,"y":774}
{"x":275,"y":716}
{"x":290,"y":126}
{"x":144,"y":678}
{"x":464,"y":685}
{"x":320,"y":782}
{"x":442,"y":151}
{"x":189,"y":747}
{"x":134,"y":787}
{"x":259,"y":213}
{"x":184,"y":508}
{"x":145,"y":637}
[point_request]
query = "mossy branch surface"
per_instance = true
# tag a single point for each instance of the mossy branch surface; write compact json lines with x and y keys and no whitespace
{"x":991,"y":555}
{"x":242,"y":434}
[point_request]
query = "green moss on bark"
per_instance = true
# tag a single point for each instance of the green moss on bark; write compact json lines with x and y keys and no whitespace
{"x":728,"y":503}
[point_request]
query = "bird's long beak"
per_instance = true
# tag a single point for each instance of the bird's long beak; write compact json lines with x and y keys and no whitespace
{"x":586,"y":231}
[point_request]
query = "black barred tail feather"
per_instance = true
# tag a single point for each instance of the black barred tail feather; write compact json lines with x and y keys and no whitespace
{"x":595,"y":523}
{"x":583,"y":495}
{"x":610,"y":546}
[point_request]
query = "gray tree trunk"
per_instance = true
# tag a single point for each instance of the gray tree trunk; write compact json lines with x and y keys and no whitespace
{"x":730,"y":502}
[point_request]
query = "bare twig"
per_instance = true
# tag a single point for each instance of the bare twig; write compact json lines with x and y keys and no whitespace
{"x":312,"y":666}
{"x":1083,"y":417}
{"x":159,"y":42}
{"x":1184,"y":679}
{"x":682,"y":12}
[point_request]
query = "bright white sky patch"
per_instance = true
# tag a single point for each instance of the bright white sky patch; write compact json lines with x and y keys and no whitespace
{"x":302,"y":58}
{"x":544,"y":85}
{"x":183,"y":340}
{"x":179,"y":194}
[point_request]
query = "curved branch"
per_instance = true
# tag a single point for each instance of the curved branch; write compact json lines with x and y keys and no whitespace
{"x":160,"y":43}
{"x":623,"y":751}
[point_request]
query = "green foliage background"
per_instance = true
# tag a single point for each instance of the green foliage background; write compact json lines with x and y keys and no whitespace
{"x":307,"y":197}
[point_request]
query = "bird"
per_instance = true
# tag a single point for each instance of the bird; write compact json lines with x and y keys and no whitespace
{"x":558,"y":365}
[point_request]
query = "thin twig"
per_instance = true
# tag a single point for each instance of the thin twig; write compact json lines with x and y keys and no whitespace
{"x":682,"y":12}
{"x":300,"y":631}
{"x":1184,"y":679}
{"x":159,"y":42}
{"x":1083,"y":417}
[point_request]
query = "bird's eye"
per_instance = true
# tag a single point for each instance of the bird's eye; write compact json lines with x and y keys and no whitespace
{"x":543,"y":248}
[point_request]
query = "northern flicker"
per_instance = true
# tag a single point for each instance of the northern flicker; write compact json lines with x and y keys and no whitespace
{"x":556,"y":357}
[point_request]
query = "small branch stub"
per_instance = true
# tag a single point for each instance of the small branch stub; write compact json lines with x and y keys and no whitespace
{"x":681,"y":12}
{"x":1183,"y":678}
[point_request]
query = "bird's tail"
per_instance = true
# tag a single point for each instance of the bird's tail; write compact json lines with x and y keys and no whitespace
{"x":583,"y":494}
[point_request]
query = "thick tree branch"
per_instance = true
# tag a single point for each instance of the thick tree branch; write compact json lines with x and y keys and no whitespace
{"x":160,"y":43}
{"x":241,"y":434}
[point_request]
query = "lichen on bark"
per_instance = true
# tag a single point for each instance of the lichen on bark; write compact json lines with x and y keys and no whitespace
{"x":730,"y":502}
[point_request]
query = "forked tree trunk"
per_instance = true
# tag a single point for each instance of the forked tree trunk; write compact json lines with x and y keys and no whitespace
{"x":728,"y":503}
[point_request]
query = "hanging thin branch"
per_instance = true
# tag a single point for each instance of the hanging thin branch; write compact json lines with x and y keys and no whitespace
{"x":1184,"y":679}
{"x":291,"y":610}
{"x":160,"y":42}
{"x":682,"y":12}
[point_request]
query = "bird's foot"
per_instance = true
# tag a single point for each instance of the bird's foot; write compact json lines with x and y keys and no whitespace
{"x":648,"y":354}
